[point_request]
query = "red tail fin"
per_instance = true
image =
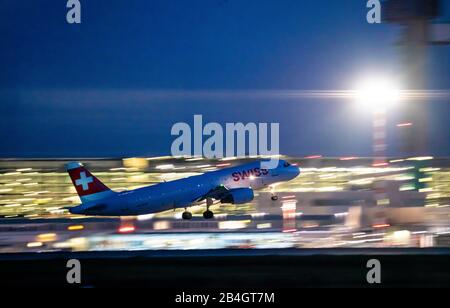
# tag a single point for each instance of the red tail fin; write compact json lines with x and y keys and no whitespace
{"x":88,"y":187}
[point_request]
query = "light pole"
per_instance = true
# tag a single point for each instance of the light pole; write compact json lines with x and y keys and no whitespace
{"x":378,"y":95}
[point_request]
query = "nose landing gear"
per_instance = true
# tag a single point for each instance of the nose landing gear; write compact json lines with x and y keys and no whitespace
{"x":274,"y":196}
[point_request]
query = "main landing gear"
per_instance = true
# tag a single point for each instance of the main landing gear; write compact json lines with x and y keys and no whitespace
{"x":186,"y":215}
{"x":208,"y":214}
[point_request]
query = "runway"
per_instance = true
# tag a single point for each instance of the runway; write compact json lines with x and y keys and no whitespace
{"x":237,"y":268}
{"x":150,"y":254}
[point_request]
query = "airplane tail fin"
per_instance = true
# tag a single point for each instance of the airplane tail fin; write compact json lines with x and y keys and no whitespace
{"x":88,"y":187}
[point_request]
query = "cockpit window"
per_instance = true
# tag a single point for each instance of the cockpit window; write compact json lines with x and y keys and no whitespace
{"x":286,"y":164}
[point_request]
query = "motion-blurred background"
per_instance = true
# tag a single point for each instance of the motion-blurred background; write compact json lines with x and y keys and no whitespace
{"x":363,"y":109}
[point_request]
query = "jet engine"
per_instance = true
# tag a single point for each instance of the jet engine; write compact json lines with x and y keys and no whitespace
{"x":238,"y":196}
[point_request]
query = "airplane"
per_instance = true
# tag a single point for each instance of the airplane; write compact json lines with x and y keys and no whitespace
{"x":233,"y":185}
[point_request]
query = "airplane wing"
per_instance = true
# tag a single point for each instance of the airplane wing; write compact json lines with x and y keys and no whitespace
{"x":226,"y":195}
{"x":217,"y":193}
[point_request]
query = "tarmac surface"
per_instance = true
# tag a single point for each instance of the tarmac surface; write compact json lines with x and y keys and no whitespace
{"x":235,"y":268}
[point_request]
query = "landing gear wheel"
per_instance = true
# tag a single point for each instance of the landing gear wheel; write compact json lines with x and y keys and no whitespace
{"x":208,"y":214}
{"x":274,"y":198}
{"x":186,"y":215}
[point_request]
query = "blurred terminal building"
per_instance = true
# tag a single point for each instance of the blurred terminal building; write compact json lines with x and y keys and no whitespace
{"x":348,"y":190}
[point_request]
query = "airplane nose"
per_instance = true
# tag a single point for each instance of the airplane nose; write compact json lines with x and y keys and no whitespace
{"x":296,"y":171}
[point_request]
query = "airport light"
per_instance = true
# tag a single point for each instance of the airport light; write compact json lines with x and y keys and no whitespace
{"x":378,"y":94}
{"x":126,"y":229}
{"x":75,"y":228}
{"x":34,"y":244}
{"x":407,"y":124}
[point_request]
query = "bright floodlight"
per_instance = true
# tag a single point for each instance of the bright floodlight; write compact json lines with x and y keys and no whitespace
{"x":378,"y":94}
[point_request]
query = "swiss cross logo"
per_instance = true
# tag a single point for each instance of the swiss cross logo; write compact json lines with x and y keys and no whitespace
{"x":84,"y":181}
